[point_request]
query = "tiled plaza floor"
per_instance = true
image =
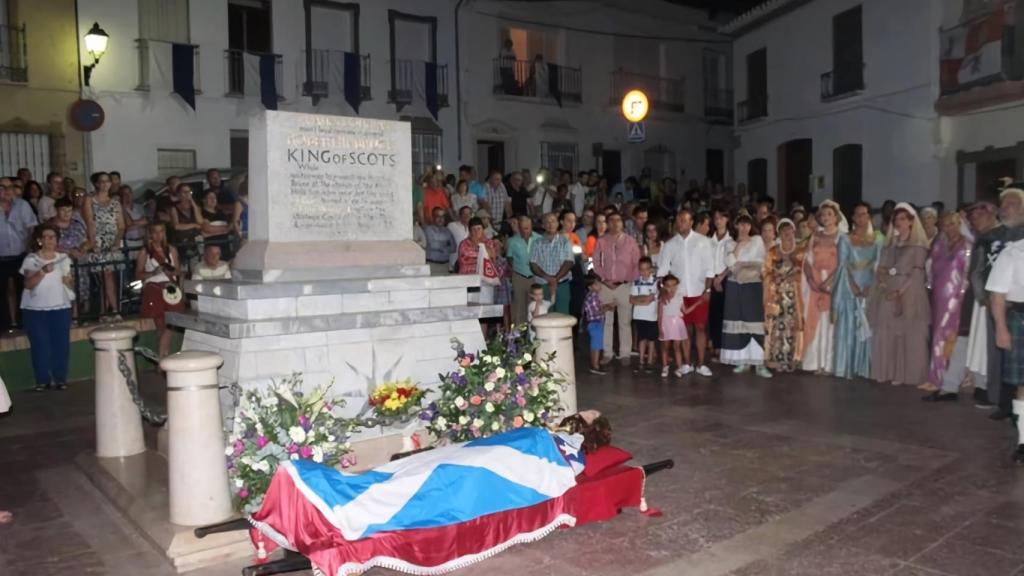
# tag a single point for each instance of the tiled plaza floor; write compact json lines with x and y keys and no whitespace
{"x":794,"y":476}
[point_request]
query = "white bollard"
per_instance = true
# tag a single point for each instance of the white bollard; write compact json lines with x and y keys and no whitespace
{"x":118,"y":421}
{"x":554,"y":333}
{"x":198,"y":483}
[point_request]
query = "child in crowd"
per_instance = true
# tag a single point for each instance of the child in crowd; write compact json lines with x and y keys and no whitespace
{"x":538,"y":306}
{"x":670,"y":324}
{"x":593,"y":315}
{"x":212,"y":267}
{"x":644,"y":298}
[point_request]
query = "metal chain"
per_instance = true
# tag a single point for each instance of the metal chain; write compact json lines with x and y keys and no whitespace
{"x":155,"y":418}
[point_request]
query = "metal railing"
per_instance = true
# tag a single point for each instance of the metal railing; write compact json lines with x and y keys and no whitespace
{"x":146,"y":56}
{"x":13,"y":54}
{"x":520,"y":78}
{"x":842,"y":82}
{"x":665,"y":93}
{"x":751,"y":109}
{"x":234,"y":61}
{"x":404,"y":84}
{"x":718,"y":105}
{"x":90,"y":298}
{"x":327,"y":69}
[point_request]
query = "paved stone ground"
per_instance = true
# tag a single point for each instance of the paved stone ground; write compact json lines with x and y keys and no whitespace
{"x":794,"y":476}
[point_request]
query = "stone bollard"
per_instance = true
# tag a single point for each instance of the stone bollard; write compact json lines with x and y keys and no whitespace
{"x":118,"y":421}
{"x":198,"y":482}
{"x":554,"y":334}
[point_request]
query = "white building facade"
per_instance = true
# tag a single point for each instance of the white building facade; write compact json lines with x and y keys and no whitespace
{"x":917,"y":100}
{"x":835,"y":100}
{"x":603,"y":49}
{"x":670,"y":51}
{"x":150,"y":131}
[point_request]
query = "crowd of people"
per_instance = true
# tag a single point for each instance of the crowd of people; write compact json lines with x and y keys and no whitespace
{"x":66,"y":252}
{"x":909,"y":295}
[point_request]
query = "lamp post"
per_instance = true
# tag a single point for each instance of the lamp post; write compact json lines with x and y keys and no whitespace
{"x":96,"y":45}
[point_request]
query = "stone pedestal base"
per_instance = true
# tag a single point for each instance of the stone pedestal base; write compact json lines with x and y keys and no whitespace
{"x":356,"y":333}
{"x":137,"y":488}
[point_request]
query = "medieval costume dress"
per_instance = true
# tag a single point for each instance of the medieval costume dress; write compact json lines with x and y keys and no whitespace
{"x":949,"y":284}
{"x":743,"y":323}
{"x":899,"y":343}
{"x":783,"y":273}
{"x":821,"y":261}
{"x":853,"y":331}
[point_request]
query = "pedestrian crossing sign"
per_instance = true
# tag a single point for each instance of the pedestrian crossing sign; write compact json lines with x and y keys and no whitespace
{"x":637,"y":132}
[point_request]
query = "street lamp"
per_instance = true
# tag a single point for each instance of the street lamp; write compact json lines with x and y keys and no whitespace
{"x":96,"y":45}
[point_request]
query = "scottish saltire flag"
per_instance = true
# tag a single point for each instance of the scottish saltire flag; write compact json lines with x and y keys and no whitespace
{"x":440,"y":487}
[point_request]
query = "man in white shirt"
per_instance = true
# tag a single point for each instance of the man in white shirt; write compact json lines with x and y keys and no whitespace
{"x":460,"y":231}
{"x":1006,"y":295}
{"x":690,"y":257}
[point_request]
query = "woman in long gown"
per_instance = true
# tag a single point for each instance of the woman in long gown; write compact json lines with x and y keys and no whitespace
{"x":898,"y":307}
{"x":858,"y":255}
{"x":743,"y":324}
{"x":783,"y":313}
{"x":820,"y":265}
{"x":950,"y":253}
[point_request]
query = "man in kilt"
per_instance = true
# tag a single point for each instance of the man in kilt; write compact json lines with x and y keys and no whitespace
{"x":1006,"y":287}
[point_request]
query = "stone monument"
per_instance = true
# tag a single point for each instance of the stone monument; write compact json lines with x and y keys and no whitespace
{"x":330,"y":283}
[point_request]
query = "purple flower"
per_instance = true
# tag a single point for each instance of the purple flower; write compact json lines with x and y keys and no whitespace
{"x":262,"y":441}
{"x":249,"y":434}
{"x":292,"y":448}
{"x":305,"y":423}
{"x":243,"y":493}
{"x":306,"y":452}
{"x":239,"y":447}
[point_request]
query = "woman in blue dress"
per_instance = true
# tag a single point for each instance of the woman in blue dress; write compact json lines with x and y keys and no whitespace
{"x":858,"y":256}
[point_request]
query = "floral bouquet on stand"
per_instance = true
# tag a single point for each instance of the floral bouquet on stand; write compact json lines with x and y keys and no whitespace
{"x":503,"y":388}
{"x":281,"y":423}
{"x":396,"y":401}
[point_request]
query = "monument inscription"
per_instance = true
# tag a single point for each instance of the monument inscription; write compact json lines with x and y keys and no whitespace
{"x":337,"y":178}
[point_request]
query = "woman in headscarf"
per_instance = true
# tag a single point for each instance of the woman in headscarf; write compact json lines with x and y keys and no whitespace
{"x":783,"y":312}
{"x":950,"y":253}
{"x":898,"y":307}
{"x":820,"y":264}
{"x":858,"y":254}
{"x":743,"y":326}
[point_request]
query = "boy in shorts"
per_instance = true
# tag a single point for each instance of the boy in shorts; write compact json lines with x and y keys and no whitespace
{"x":643,"y":295}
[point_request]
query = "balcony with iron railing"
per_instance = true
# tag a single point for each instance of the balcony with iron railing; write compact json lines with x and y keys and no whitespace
{"x":408,"y":79}
{"x":325,"y":74}
{"x":531,"y":79}
{"x":155,"y":65}
{"x":842,"y":82}
{"x":989,"y":72}
{"x":663,"y":93}
{"x":242,"y":71}
{"x":752,"y":109}
{"x":13,"y":54}
{"x":718,"y":105}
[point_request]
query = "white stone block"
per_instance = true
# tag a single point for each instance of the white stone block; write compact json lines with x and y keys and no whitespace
{"x":410,"y":331}
{"x":433,"y":348}
{"x":284,"y":341}
{"x":316,"y":359}
{"x":364,"y":302}
{"x":247,"y":368}
{"x":404,"y":299}
{"x":351,"y":362}
{"x":270,"y":308}
{"x":280,"y":362}
{"x":448,"y":297}
{"x":221,"y":307}
{"x":349,"y":336}
{"x":319,"y":305}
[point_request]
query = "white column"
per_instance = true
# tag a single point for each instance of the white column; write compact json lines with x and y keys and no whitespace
{"x":554,"y":333}
{"x":118,"y":421}
{"x":198,"y":483}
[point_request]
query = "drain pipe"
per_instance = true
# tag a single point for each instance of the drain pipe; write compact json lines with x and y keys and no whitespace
{"x":458,"y":83}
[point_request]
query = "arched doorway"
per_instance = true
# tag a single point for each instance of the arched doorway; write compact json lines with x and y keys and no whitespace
{"x":795,"y":162}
